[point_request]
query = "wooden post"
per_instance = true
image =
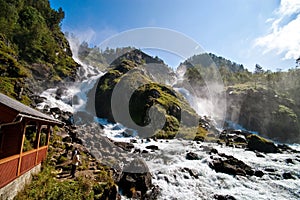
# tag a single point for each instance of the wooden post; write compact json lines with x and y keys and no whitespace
{"x":38,"y":142}
{"x":22,"y":144}
{"x":48,"y":135}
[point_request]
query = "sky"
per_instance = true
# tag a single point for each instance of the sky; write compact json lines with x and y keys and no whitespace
{"x":248,"y":32}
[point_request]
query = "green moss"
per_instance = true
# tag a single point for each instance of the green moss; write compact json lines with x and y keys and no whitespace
{"x":147,"y":95}
{"x":7,"y":86}
{"x":283,"y":110}
{"x":258,"y":138}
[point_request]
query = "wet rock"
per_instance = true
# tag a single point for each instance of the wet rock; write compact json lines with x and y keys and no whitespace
{"x":230,"y":165}
{"x":224,"y":197}
{"x":38,"y":99}
{"x":286,"y":148}
{"x":239,"y":139}
{"x":192,"y":156}
{"x":259,"y":155}
{"x":287,"y":175}
{"x":258,"y":173}
{"x":213,"y":150}
{"x":145,"y":151}
{"x":137,"y":150}
{"x":192,"y":172}
{"x":260,"y":144}
{"x":55,"y":110}
{"x":289,"y":161}
{"x":135,"y":177}
{"x":152,"y":147}
{"x":133,"y":141}
{"x":270,"y":170}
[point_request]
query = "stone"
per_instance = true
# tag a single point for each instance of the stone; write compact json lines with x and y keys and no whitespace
{"x":258,"y":173}
{"x":289,"y":161}
{"x":152,"y":147}
{"x":230,"y":165}
{"x":125,"y":145}
{"x":55,"y":110}
{"x":260,"y":144}
{"x":224,"y":197}
{"x":192,"y":156}
{"x":135,"y":177}
{"x":287,"y":175}
{"x":192,"y":172}
{"x":270,"y":170}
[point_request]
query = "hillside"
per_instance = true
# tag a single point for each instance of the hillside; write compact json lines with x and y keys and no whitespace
{"x":34,"y":54}
{"x":263,"y":101}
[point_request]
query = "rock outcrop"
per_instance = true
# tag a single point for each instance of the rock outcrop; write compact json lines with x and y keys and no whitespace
{"x":136,"y":180}
{"x":263,"y":110}
{"x":127,"y":94}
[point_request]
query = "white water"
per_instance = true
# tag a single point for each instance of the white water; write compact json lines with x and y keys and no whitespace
{"x":169,"y":166}
{"x":74,"y":97}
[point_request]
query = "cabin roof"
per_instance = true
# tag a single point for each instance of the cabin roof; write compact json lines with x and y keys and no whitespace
{"x":24,"y":110}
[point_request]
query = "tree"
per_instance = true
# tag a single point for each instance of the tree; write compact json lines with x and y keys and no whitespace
{"x":258,"y":69}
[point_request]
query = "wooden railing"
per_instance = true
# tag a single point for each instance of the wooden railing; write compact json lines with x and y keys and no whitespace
{"x":9,"y":167}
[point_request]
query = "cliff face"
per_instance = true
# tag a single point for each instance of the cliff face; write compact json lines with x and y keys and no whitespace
{"x":126,"y":94}
{"x":263,"y":110}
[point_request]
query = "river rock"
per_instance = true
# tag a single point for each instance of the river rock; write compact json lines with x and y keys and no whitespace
{"x":136,"y":179}
{"x":230,"y":165}
{"x":192,"y":156}
{"x":260,"y":144}
{"x":152,"y":147}
{"x":224,"y":197}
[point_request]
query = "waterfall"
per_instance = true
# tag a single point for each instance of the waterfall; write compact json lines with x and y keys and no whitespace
{"x":74,"y":95}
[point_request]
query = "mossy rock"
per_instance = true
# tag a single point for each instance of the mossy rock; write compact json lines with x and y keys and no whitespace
{"x":140,"y":103}
{"x":265,"y":111}
{"x":261,"y":144}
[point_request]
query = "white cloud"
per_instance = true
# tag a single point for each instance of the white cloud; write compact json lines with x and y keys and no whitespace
{"x":284,"y":36}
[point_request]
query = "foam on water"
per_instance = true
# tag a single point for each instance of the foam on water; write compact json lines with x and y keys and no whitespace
{"x":172,"y":171}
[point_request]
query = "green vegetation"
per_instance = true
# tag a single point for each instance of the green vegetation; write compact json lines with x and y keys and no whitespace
{"x":46,"y":185}
{"x":30,"y":37}
{"x":267,"y":102}
{"x":167,"y":104}
{"x":285,"y":110}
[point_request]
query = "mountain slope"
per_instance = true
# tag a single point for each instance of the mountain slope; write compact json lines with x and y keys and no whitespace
{"x":33,"y":51}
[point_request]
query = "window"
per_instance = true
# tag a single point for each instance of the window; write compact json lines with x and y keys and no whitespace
{"x":44,"y":136}
{"x":30,"y":137}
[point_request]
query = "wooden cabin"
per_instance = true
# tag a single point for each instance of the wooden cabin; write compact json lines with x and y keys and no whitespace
{"x":24,"y":138}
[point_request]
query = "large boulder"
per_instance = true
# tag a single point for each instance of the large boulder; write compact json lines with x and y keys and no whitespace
{"x":136,"y":179}
{"x":230,"y":165}
{"x":258,"y":143}
{"x":128,"y":95}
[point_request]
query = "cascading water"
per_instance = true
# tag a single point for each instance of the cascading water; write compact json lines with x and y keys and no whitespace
{"x":178,"y":177}
{"x":74,"y":94}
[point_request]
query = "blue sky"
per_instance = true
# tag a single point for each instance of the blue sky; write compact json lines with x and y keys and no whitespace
{"x":247,"y":32}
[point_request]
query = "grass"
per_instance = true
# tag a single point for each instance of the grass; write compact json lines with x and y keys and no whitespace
{"x":45,"y":185}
